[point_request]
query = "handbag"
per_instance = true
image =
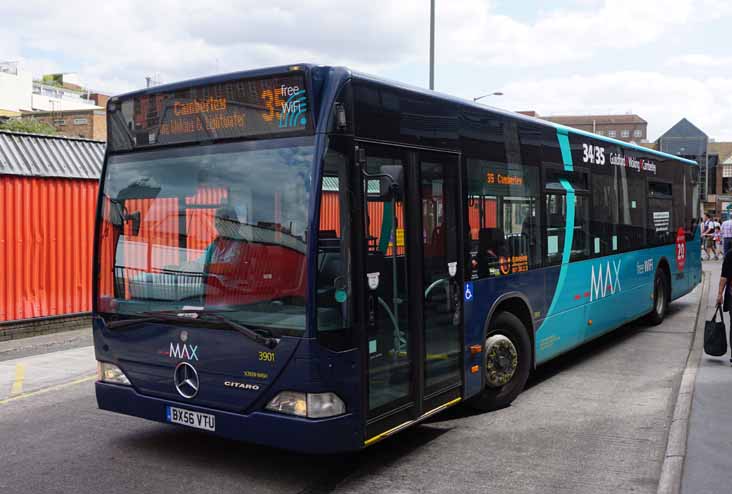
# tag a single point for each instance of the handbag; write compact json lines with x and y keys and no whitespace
{"x":715,"y":337}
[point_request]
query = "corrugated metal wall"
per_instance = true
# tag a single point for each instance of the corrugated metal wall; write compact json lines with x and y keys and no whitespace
{"x":46,"y":239}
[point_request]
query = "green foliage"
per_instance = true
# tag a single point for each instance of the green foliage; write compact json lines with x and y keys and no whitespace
{"x":30,"y":125}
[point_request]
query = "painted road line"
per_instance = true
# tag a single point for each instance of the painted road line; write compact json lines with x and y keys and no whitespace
{"x":49,"y":389}
{"x":19,"y":378}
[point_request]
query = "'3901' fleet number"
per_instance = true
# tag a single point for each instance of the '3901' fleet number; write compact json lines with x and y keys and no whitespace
{"x":593,"y":154}
{"x":267,"y":356}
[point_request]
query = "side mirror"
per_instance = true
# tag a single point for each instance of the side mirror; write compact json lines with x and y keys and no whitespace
{"x":391,"y":181}
{"x":141,"y":188}
{"x":135,"y":219}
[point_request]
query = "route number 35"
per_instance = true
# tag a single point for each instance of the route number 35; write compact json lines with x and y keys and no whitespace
{"x":593,"y":154}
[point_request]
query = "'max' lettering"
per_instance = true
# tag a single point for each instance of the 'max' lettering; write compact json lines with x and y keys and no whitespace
{"x":604,"y":280}
{"x":185,"y":351}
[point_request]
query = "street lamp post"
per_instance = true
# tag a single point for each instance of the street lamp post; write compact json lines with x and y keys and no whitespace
{"x":496,"y":93}
{"x":432,"y":44}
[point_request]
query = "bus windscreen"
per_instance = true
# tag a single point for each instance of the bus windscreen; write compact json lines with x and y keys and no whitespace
{"x":267,"y":106}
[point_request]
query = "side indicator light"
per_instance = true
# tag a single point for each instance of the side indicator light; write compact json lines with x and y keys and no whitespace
{"x":589,"y":322}
{"x":474,"y":369}
{"x":475,"y":349}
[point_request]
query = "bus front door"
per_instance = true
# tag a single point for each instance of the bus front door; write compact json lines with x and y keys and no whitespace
{"x":413,"y":308}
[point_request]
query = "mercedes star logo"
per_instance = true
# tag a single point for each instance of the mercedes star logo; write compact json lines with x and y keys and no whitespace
{"x":186,"y":380}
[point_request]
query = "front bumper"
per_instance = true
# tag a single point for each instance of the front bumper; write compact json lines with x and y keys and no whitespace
{"x":331,"y":435}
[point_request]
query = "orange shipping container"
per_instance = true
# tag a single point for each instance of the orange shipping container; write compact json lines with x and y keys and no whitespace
{"x":48,"y":191}
{"x":46,"y":242}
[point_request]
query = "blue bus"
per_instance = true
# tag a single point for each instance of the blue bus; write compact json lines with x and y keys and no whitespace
{"x":314,"y":259}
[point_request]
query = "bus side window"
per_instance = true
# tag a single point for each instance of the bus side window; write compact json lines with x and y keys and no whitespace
{"x":556,"y":220}
{"x":503,"y":218}
{"x":333,"y":289}
{"x":632,"y":204}
{"x":660,"y":213}
{"x":556,"y":227}
{"x":604,"y":216}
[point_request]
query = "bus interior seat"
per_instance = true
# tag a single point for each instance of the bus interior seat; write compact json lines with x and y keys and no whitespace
{"x":492,"y":242}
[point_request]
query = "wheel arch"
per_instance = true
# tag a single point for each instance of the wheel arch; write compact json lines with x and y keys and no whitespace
{"x":517,"y":304}
{"x":664,"y":267}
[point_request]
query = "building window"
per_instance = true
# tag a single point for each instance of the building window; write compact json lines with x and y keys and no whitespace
{"x":611,"y":133}
{"x":59,"y":121}
{"x":81,"y":121}
{"x":727,"y":170}
{"x":637,"y":133}
{"x":601,"y":132}
{"x":625,"y":133}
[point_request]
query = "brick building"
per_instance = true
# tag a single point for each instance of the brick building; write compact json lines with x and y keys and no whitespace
{"x":87,"y":124}
{"x":628,"y":128}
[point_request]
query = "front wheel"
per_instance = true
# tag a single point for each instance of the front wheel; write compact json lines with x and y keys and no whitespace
{"x":660,"y":299}
{"x":506,"y":362}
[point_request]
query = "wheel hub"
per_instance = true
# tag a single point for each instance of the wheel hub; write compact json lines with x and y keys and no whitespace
{"x":501,"y":360}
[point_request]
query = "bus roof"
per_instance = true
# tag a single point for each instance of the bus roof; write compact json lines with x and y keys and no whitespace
{"x":515,"y":115}
{"x":401,"y":85}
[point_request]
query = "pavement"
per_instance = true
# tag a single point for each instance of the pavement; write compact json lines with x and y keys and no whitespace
{"x":708,"y":462}
{"x":22,"y":347}
{"x":597,"y":419}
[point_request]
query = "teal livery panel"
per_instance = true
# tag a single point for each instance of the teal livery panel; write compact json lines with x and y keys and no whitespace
{"x":602,"y":294}
{"x":574,"y":302}
{"x":608,"y":291}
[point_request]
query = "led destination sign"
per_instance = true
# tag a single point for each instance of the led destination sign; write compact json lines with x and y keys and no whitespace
{"x":238,"y":108}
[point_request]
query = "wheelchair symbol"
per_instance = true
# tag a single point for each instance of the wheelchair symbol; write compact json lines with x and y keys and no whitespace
{"x":468,"y":292}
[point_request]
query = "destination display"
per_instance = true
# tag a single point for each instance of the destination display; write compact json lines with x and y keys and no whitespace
{"x":593,"y":154}
{"x":238,"y":108}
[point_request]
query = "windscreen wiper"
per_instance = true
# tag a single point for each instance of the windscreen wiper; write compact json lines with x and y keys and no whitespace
{"x":258,"y":335}
{"x":254,"y":334}
{"x":161,"y":316}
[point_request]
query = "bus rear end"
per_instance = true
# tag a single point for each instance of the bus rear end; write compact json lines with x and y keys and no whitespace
{"x":202,"y":261}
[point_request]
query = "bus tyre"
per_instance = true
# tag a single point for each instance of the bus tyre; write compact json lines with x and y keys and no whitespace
{"x":660,"y":299}
{"x":506,"y":362}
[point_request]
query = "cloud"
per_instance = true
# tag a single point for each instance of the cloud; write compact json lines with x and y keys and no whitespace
{"x":659,"y":98}
{"x":114,"y":45}
{"x":700,"y":60}
{"x":122,"y":42}
{"x":478,"y":35}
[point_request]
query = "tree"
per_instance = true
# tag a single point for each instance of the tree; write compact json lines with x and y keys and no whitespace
{"x":30,"y":125}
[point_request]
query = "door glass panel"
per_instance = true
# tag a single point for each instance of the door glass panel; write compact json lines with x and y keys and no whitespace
{"x":386,"y":285}
{"x":440,"y":274}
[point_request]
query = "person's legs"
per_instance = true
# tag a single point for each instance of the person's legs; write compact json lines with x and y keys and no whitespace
{"x":710,"y":247}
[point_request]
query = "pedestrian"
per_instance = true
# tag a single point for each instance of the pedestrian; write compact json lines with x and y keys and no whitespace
{"x":724,"y":293}
{"x":707,"y":240}
{"x":727,"y":234}
{"x":717,"y":236}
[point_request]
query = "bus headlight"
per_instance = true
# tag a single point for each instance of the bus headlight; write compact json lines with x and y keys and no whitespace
{"x":110,"y":373}
{"x":311,"y":405}
{"x":322,"y":405}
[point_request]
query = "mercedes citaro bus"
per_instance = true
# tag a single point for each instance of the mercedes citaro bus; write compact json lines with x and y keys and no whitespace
{"x":314,"y":259}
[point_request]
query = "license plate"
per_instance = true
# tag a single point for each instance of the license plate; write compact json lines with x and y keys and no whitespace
{"x":189,"y":418}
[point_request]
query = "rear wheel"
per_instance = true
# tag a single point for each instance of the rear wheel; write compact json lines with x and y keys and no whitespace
{"x":660,"y":298}
{"x":506,"y":362}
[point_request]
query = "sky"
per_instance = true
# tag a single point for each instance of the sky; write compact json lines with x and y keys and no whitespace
{"x":661,"y":59}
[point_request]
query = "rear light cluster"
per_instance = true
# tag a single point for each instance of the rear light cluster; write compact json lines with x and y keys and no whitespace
{"x":310,"y":405}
